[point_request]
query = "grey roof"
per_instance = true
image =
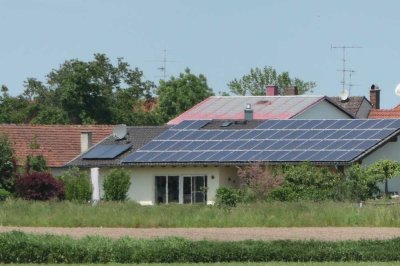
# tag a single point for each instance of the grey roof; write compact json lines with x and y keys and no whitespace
{"x":233,"y":124}
{"x":352,"y":104}
{"x":137,"y":136}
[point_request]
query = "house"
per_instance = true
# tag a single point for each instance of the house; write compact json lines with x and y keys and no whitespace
{"x":271,"y":106}
{"x":57,"y":143}
{"x":385,"y":113}
{"x":188,"y":162}
{"x":360,"y":106}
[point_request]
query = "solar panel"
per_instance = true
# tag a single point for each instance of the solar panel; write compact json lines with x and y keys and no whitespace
{"x":320,"y":140}
{"x":106,"y":151}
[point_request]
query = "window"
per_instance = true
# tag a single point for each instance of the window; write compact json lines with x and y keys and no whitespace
{"x":181,"y":189}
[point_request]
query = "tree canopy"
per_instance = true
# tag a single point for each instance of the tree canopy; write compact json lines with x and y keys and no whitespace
{"x":179,"y":94}
{"x":100,"y":92}
{"x":255,"y":82}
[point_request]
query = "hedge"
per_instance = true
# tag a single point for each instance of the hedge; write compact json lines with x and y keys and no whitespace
{"x":18,"y":247}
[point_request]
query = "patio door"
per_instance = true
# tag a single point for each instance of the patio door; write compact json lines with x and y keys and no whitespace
{"x":194,"y":189}
{"x":166,"y":189}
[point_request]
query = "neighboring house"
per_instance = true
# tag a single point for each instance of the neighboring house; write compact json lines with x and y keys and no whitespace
{"x":57,"y":143}
{"x":385,"y":113}
{"x":271,"y":106}
{"x":188,"y":162}
{"x":360,"y":106}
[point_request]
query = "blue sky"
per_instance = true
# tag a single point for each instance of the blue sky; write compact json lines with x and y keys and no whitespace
{"x":220,"y":39}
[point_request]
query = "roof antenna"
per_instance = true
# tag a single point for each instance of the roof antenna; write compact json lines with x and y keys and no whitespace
{"x":344,"y":70}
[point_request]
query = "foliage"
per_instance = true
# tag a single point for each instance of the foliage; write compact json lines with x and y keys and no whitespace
{"x":39,"y":186}
{"x":18,"y":247}
{"x":358,"y":184}
{"x":35,"y":163}
{"x":257,"y":180}
{"x":384,"y":170}
{"x":306,"y":182}
{"x":80,"y":92}
{"x":8,"y":165}
{"x":77,"y":185}
{"x":256,"y":81}
{"x":227,"y":197}
{"x":4,"y":194}
{"x":116,"y":185}
{"x":179,"y":94}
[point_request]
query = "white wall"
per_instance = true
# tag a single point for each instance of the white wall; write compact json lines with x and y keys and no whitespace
{"x":390,"y":151}
{"x":322,"y":110}
{"x":142,"y":187}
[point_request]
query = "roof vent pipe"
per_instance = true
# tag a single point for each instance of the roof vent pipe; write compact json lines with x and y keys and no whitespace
{"x":248,"y":113}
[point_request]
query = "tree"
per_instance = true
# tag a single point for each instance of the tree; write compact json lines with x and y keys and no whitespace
{"x":179,"y":94}
{"x":80,"y":92}
{"x":8,"y":165}
{"x":384,"y":170}
{"x":255,"y":82}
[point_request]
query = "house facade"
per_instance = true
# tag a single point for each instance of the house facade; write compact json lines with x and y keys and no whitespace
{"x":188,"y":162}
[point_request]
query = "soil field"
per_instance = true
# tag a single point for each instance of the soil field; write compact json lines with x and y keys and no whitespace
{"x":224,"y":234}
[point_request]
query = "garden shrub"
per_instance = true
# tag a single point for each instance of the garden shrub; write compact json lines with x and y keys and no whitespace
{"x":257,"y":181}
{"x":8,"y":165}
{"x":35,"y":163}
{"x":4,"y":194}
{"x":18,"y":247}
{"x":77,"y":185}
{"x":227,"y":197}
{"x":306,"y":182}
{"x":116,"y":185}
{"x":39,"y":186}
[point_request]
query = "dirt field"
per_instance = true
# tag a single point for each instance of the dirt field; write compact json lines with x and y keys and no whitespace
{"x":230,"y":234}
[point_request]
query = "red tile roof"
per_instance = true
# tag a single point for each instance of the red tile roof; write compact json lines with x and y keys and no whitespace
{"x":265,"y":107}
{"x":385,"y":113}
{"x":57,"y":143}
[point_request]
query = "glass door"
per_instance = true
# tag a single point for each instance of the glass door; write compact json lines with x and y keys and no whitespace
{"x":194,"y":189}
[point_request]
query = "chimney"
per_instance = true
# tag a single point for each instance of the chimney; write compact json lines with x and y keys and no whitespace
{"x":271,"y":90}
{"x":291,"y":91}
{"x":248,"y":113}
{"x":375,"y":96}
{"x":86,"y":141}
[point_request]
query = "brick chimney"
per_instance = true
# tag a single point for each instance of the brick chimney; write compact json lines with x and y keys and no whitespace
{"x":375,"y":96}
{"x":291,"y":91}
{"x":271,"y":90}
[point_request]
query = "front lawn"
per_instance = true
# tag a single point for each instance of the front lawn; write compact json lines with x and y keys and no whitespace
{"x":129,"y":214}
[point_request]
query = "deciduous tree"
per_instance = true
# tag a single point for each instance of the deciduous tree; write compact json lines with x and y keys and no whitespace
{"x":255,"y":82}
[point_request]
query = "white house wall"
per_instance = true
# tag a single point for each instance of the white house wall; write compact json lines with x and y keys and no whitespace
{"x":322,"y":110}
{"x":142,"y":188}
{"x":390,"y":151}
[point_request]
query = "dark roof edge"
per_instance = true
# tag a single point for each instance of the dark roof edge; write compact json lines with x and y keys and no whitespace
{"x":326,"y":98}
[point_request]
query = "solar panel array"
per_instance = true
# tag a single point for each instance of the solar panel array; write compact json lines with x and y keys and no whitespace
{"x":106,"y":151}
{"x":271,"y":141}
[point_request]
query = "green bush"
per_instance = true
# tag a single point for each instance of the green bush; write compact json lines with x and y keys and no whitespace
{"x":227,"y":197}
{"x":35,"y":164}
{"x":77,"y":185}
{"x":17,"y":247}
{"x":116,"y":185}
{"x":4,"y":194}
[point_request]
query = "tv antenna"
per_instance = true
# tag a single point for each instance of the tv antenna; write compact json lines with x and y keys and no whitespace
{"x":351,"y":71}
{"x":163,"y":67}
{"x":344,"y":70}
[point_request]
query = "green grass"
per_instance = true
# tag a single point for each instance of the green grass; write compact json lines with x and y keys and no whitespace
{"x":129,"y":214}
{"x":233,"y":264}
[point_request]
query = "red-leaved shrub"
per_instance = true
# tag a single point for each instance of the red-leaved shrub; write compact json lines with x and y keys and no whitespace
{"x":39,"y":186}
